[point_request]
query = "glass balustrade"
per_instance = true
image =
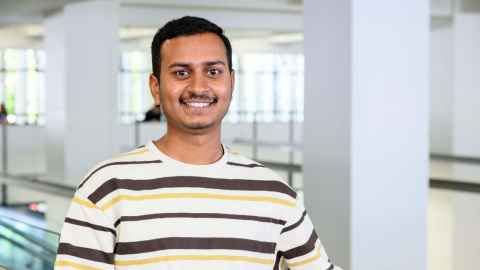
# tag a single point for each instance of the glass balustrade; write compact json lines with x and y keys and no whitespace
{"x":25,"y":246}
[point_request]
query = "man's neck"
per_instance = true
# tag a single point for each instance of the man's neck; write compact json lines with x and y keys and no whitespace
{"x":191,"y":149}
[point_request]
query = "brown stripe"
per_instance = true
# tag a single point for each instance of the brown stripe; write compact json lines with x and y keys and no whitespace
{"x":303,"y":249}
{"x":278,"y":258}
{"x":199,"y":215}
{"x":90,"y":225}
{"x":124,"y":248}
{"x":191,"y":182}
{"x":85,"y":253}
{"x":251,"y":165}
{"x":117,"y":163}
{"x":296,"y":224}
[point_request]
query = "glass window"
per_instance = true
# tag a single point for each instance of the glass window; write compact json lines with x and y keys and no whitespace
{"x":268,"y":87}
{"x":134,"y":96}
{"x":22,"y":85}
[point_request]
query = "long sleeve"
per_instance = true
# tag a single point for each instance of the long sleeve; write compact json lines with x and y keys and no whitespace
{"x":299,"y":245}
{"x":87,"y":238}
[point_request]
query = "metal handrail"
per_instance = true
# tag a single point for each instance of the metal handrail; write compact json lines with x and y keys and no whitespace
{"x":52,"y":188}
{"x":30,"y":225}
{"x":28,"y":250}
{"x":450,"y":184}
{"x":36,"y":242}
{"x":455,"y":158}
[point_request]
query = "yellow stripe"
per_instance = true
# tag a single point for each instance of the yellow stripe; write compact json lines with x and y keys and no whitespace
{"x":306,"y":260}
{"x":193,"y":258}
{"x":137,"y":152}
{"x":195,"y":196}
{"x":83,"y":202}
{"x":66,"y":263}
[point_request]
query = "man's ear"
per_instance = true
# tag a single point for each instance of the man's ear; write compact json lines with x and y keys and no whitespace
{"x":155,"y":89}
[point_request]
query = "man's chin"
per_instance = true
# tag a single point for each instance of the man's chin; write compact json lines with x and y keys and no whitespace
{"x":199,"y":126}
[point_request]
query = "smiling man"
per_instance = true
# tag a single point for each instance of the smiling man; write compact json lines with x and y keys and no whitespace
{"x":185,"y":201}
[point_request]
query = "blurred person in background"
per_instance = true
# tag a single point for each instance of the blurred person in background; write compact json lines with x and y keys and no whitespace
{"x":3,"y":114}
{"x":185,"y":201}
{"x":153,"y":114}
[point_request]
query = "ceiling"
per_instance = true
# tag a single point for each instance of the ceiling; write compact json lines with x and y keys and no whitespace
{"x":39,"y":8}
{"x":21,"y":20}
{"x":31,"y":8}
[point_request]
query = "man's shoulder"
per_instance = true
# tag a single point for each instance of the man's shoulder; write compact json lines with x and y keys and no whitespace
{"x":247,"y":168}
{"x":117,"y":166}
{"x":252,"y":167}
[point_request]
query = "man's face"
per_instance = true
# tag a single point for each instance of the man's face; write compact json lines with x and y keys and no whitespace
{"x":195,"y":87}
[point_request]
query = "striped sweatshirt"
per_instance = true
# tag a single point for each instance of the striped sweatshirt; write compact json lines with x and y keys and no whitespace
{"x":146,"y":210}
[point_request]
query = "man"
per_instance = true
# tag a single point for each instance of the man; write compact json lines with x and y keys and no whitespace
{"x":185,"y":201}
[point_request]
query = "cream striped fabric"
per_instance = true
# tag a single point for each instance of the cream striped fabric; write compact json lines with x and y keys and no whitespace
{"x":145,"y":210}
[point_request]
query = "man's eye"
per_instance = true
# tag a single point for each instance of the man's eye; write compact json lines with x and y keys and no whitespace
{"x":182,"y":74}
{"x":213,"y":72}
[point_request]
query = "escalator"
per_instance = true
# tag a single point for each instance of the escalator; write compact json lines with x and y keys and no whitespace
{"x":25,"y":246}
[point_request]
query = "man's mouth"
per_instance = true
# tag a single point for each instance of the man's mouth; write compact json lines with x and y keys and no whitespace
{"x":198,"y":103}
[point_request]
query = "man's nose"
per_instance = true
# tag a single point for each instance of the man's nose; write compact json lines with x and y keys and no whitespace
{"x":198,"y":83}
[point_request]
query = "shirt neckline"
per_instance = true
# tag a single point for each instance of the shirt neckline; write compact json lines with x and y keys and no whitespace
{"x":166,"y":158}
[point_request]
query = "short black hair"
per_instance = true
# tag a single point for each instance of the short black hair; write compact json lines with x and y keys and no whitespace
{"x":185,"y":26}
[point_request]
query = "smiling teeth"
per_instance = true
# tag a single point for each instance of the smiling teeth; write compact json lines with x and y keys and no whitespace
{"x":198,"y":104}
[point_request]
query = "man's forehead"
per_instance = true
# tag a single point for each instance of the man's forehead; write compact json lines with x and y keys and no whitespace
{"x":205,"y":47}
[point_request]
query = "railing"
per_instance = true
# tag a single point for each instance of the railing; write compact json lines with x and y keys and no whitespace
{"x":289,"y":145}
{"x":26,"y":246}
{"x":455,"y":158}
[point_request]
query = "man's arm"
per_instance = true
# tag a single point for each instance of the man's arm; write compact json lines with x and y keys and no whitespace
{"x":87,"y":239}
{"x":300,"y":246}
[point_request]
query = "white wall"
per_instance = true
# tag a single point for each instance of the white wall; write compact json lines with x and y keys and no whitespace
{"x":455,"y":84}
{"x":441,"y":7}
{"x":26,"y":149}
{"x":441,"y":74}
{"x":467,"y":84}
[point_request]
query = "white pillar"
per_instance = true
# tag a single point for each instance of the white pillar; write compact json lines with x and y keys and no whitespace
{"x":83,"y":101}
{"x":466,"y":241}
{"x":466,"y":65}
{"x":55,"y":96}
{"x":466,"y":42}
{"x":441,"y":88}
{"x":366,"y":130}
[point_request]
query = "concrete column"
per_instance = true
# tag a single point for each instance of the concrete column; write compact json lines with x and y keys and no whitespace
{"x":466,"y":63}
{"x":466,"y":241}
{"x":366,"y":130}
{"x":466,"y":42}
{"x":55,"y":96}
{"x":441,"y":88}
{"x":81,"y":87}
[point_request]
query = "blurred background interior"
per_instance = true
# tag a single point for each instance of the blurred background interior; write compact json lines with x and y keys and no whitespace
{"x":74,"y":90}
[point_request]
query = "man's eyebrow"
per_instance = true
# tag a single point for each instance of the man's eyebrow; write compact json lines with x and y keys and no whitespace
{"x":207,"y":63}
{"x":212,"y":63}
{"x":179,"y":65}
